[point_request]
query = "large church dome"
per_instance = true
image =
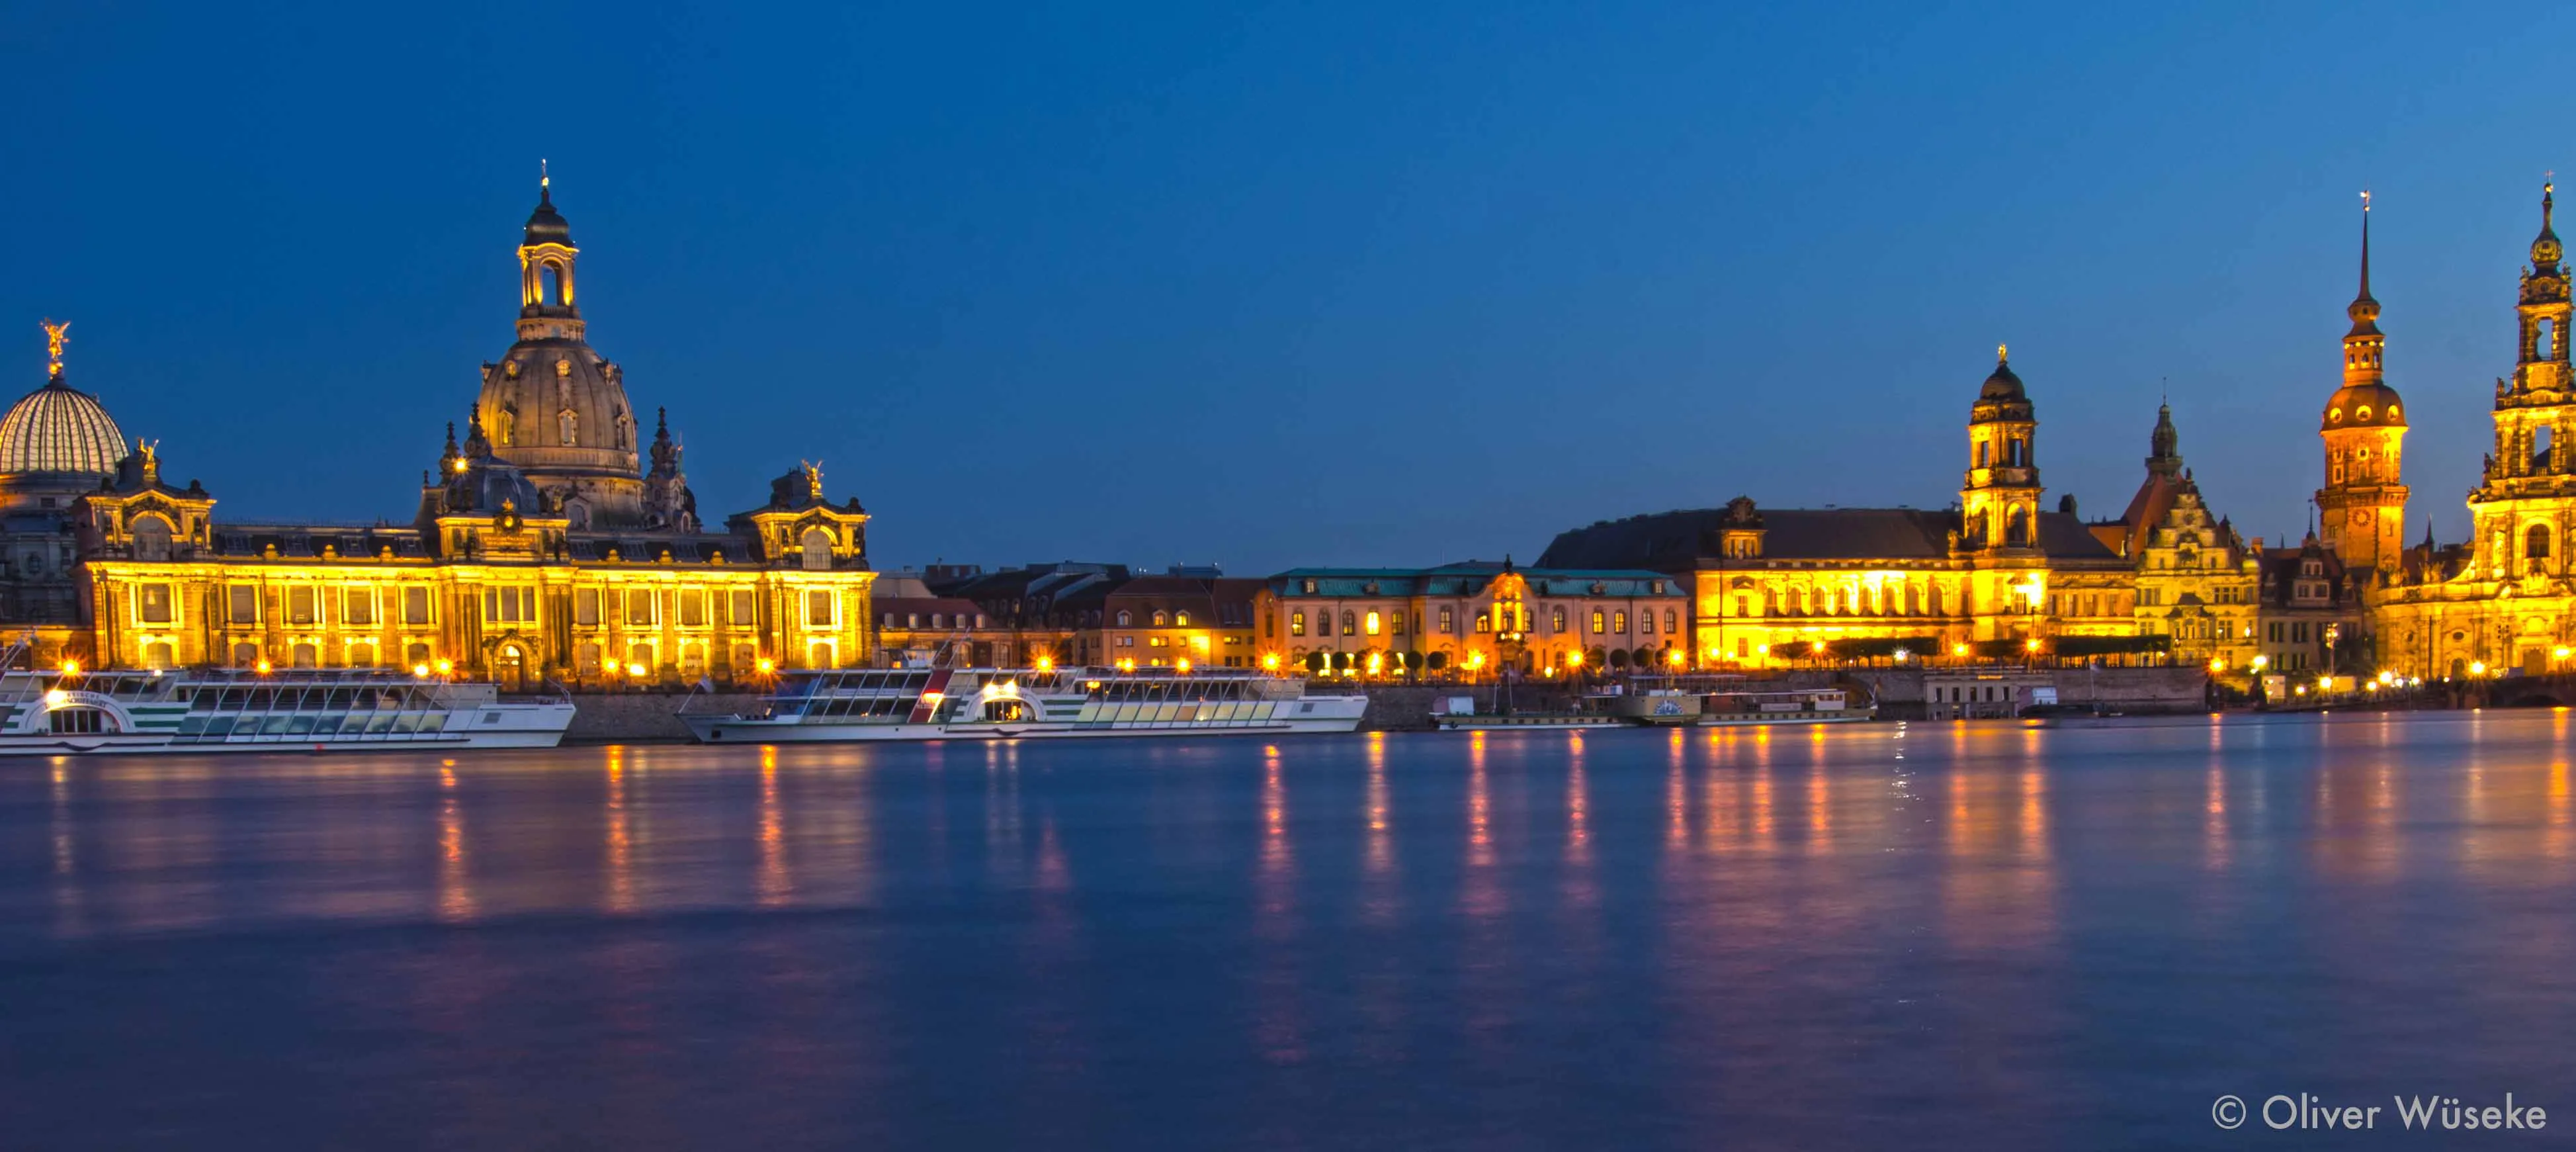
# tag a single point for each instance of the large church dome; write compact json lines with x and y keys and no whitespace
{"x":62,"y":430}
{"x":552,"y":406}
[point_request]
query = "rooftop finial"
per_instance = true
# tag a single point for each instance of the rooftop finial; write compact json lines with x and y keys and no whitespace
{"x":545,"y":183}
{"x":2365,"y":244}
{"x":56,"y":335}
{"x":2003,"y":354}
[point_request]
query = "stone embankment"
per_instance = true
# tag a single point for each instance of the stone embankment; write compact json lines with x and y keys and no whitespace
{"x":645,"y":717}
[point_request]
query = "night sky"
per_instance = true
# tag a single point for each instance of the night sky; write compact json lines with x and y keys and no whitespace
{"x":1277,"y":285}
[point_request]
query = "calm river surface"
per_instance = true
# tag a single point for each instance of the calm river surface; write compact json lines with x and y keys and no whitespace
{"x":1965,"y":936}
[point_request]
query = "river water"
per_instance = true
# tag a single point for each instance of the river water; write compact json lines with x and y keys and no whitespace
{"x":1937,"y":935}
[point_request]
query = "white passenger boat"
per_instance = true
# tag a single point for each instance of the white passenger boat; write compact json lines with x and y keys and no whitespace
{"x":50,"y":713}
{"x":1029,"y":704}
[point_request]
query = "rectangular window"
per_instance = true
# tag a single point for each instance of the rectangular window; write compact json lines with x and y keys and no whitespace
{"x":1597,"y":618}
{"x":693,"y":607}
{"x":2272,"y":632}
{"x":243,"y":602}
{"x":2299,"y":632}
{"x":642,"y":607}
{"x":299,"y":605}
{"x":818,"y":608}
{"x":1375,"y":623}
{"x":746,"y":609}
{"x":585,"y":605}
{"x":1556,"y":619}
{"x":415,"y":605}
{"x":1672,"y":622}
{"x":1619,"y":622}
{"x":358,"y":606}
{"x":1646,"y":622}
{"x":152,"y":603}
{"x":1743,"y":648}
{"x":1395,"y":623}
{"x":509,"y":605}
{"x":1448,"y":622}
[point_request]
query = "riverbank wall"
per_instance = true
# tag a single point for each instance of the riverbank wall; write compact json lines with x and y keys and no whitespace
{"x":645,"y":717}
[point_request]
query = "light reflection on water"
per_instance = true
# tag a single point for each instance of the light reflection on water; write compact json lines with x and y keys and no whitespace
{"x":1827,"y":935}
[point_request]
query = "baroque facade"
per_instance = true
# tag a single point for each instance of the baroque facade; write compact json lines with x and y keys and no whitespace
{"x":2506,"y":601}
{"x":553,"y":544}
{"x":1994,"y":575}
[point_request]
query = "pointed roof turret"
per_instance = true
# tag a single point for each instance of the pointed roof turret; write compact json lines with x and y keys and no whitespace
{"x":2545,"y":248}
{"x":2364,"y":310}
{"x":2365,"y":399}
{"x":2164,"y":454}
{"x":545,"y":225}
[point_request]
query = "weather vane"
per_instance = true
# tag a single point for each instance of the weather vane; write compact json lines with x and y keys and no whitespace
{"x":56,"y":335}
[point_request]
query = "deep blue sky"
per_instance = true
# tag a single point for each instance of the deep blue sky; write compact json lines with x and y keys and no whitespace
{"x":1278,"y":285}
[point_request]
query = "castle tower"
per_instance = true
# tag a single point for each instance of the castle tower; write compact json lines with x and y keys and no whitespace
{"x":2523,"y":505}
{"x":553,"y":407}
{"x":2362,"y":508}
{"x":1999,"y":501}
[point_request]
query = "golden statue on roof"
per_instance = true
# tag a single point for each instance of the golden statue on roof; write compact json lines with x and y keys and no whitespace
{"x":56,"y":335}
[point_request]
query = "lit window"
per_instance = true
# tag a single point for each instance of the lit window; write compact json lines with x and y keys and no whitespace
{"x":1597,"y":622}
{"x":1375,"y":623}
{"x":1448,"y":622}
{"x":152,"y":603}
{"x":1296,"y":623}
{"x":1180,"y":619}
{"x":819,"y":608}
{"x":243,"y":602}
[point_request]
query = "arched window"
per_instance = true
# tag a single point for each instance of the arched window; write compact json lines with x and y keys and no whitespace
{"x":1181,"y":619}
{"x":2536,"y":542}
{"x":567,"y":428}
{"x":1983,"y":453}
{"x":817,"y":546}
{"x":508,"y":429}
{"x":1126,"y":619}
{"x":1350,"y":623}
{"x":2017,"y":529}
{"x":1159,"y":618}
{"x":151,"y":538}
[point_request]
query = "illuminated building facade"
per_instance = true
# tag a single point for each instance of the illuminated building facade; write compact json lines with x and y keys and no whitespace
{"x":2361,"y":511}
{"x":1473,"y":617}
{"x":551,"y":545}
{"x":2199,"y":583}
{"x":1993,"y":576}
{"x":2506,"y":600}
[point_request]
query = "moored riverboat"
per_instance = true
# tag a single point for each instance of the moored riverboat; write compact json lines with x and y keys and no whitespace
{"x":872,"y":704}
{"x":54,"y":712}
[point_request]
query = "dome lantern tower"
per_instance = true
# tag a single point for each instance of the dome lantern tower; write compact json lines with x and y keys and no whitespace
{"x":553,"y":407}
{"x":1999,"y":501}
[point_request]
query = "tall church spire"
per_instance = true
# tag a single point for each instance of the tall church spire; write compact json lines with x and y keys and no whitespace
{"x":2362,"y":507}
